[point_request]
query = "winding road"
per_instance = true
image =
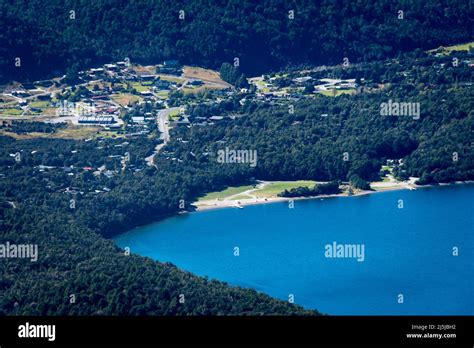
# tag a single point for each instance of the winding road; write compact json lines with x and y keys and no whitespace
{"x":163,"y":126}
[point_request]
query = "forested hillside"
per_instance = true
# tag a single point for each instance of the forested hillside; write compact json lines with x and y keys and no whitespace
{"x":310,"y":142}
{"x":58,"y":35}
{"x":78,"y":272}
{"x":36,"y":188}
{"x":69,"y":196}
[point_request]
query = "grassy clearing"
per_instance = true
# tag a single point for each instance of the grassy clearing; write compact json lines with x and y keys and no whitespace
{"x":447,"y":50}
{"x":174,"y":114}
{"x":125,"y":98}
{"x":11,"y":111}
{"x":70,"y":132}
{"x":49,"y":111}
{"x":337,"y":92}
{"x":199,"y":89}
{"x":261,"y":87}
{"x":84,"y":132}
{"x":170,"y":78}
{"x":240,"y":197}
{"x":274,"y":188}
{"x":225,"y":193}
{"x":144,"y":70}
{"x":40,"y":104}
{"x":25,"y":136}
{"x":77,"y":132}
{"x":139,"y":87}
{"x":162,"y":94}
{"x":203,"y":74}
{"x":270,"y":190}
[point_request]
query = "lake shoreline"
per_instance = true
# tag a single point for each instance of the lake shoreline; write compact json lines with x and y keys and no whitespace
{"x":221,"y":204}
{"x":283,"y":251}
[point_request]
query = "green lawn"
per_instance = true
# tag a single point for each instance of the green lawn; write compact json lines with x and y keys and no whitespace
{"x":139,"y":87}
{"x":162,"y":94}
{"x":337,"y":93}
{"x":174,"y":114}
{"x":169,"y":78}
{"x":276,"y":187}
{"x":261,"y":86}
{"x":270,"y":190}
{"x":11,"y":111}
{"x":39,"y":104}
{"x":225,"y":193}
{"x":460,"y":47}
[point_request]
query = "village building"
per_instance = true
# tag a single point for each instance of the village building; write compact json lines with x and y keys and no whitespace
{"x":96,"y":120}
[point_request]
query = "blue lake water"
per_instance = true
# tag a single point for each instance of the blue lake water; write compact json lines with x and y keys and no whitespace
{"x":407,"y":251}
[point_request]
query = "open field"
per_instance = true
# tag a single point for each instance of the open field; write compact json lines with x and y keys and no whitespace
{"x":149,"y":69}
{"x":203,"y":74}
{"x":225,"y":193}
{"x":49,"y":111}
{"x":162,"y":94}
{"x":125,"y":98}
{"x":171,"y":78}
{"x":274,"y":188}
{"x":40,"y":104}
{"x":70,"y":132}
{"x":337,"y":92}
{"x":261,"y":86}
{"x":9,"y":104}
{"x":11,"y":112}
{"x":265,"y":190}
{"x":448,"y":49}
{"x":139,"y":87}
{"x":193,"y":89}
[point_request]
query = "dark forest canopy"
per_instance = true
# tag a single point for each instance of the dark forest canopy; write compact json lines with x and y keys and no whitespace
{"x":75,"y":259}
{"x":309,"y":143}
{"x":48,"y":37}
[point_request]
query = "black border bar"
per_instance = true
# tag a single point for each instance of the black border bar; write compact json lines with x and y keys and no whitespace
{"x":328,"y":330}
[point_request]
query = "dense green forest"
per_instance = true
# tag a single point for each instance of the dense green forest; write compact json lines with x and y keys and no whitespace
{"x":311,"y":142}
{"x":57,"y":35}
{"x":74,"y":259}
